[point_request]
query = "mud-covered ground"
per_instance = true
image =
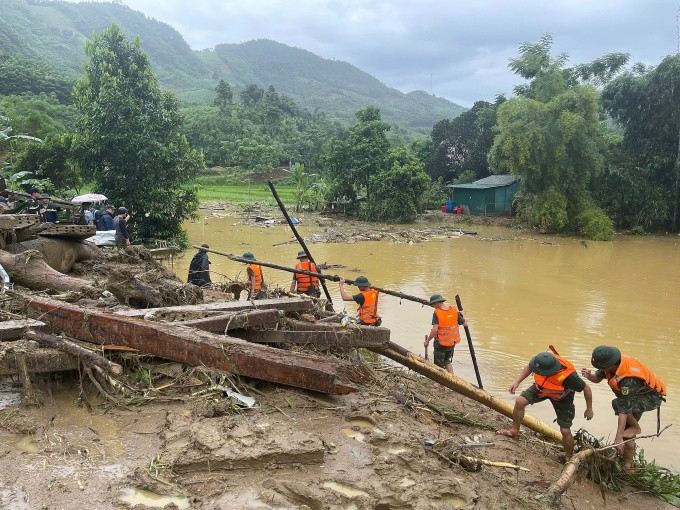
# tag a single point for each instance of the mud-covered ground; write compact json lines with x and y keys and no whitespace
{"x":379,"y":448}
{"x":339,"y":228}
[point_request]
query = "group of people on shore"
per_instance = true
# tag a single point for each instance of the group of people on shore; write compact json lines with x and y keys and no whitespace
{"x":636,"y":388}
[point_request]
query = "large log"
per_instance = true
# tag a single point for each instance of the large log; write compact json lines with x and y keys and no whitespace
{"x":38,"y":361}
{"x":417,"y":364}
{"x":238,"y":320}
{"x":72,"y":348}
{"x":15,"y":329}
{"x":197,"y":348}
{"x":363,"y":336}
{"x":29,"y":270}
{"x":324,"y":339}
{"x":59,"y":254}
{"x":283,"y":304}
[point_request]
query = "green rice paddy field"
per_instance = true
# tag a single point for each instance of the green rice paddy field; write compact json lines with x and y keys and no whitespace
{"x":238,"y":193}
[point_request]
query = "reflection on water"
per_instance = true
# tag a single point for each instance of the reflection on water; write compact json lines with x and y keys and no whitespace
{"x":520,"y":296}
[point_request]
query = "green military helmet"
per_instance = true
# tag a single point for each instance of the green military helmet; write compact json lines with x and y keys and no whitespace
{"x":302,"y":254}
{"x":248,"y":255}
{"x":436,"y":298}
{"x":205,"y":245}
{"x":44,"y":195}
{"x":362,"y":281}
{"x":545,"y":364}
{"x":605,"y":356}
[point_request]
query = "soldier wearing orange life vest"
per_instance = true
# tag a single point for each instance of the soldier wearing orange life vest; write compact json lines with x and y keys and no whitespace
{"x":637,"y":390}
{"x":367,"y":299}
{"x":304,"y":283}
{"x":256,"y":284}
{"x":555,"y":379}
{"x":446,"y":322}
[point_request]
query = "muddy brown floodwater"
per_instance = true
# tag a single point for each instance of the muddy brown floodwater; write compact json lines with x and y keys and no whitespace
{"x":521,"y":294}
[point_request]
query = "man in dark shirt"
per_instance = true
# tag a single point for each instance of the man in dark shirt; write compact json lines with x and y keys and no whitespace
{"x":47,"y":211}
{"x":106,"y":220}
{"x":32,"y":205}
{"x":555,"y":379}
{"x":120,"y":224}
{"x":199,"y":268}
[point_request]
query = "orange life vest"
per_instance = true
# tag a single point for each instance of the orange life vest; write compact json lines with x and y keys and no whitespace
{"x":630,"y":367}
{"x":368,"y":312}
{"x":448,"y":332}
{"x":552,"y":386}
{"x":257,"y":273}
{"x":306,"y":282}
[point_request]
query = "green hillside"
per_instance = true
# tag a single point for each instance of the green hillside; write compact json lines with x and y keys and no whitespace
{"x":55,"y":33}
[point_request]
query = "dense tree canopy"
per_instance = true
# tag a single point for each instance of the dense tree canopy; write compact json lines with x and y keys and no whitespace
{"x":551,"y":135}
{"x":129,"y":137}
{"x":645,"y":167}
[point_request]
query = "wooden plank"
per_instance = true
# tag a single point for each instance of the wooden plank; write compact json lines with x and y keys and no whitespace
{"x":38,"y":361}
{"x":198,"y":348}
{"x":318,"y":338}
{"x":284,"y":304}
{"x":237,"y":320}
{"x":164,"y":252}
{"x":364,"y":336}
{"x":15,"y":329}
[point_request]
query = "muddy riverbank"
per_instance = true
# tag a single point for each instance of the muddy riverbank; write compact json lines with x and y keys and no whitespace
{"x":378,"y":448}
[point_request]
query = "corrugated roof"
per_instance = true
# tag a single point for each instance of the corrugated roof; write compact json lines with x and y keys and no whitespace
{"x":493,"y":181}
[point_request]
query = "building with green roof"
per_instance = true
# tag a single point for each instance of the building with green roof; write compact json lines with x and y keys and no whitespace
{"x":491,"y":195}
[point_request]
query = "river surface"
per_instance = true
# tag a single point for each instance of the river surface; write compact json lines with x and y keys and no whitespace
{"x":520,"y":296}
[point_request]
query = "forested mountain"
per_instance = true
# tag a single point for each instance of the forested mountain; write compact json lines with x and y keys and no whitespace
{"x":56,"y":32}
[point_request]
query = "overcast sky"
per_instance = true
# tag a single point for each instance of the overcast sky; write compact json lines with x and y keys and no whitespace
{"x":460,"y":48}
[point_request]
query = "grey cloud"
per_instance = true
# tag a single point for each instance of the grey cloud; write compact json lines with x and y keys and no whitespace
{"x":465,"y":45}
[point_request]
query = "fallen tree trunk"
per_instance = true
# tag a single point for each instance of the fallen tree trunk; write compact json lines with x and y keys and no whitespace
{"x":150,"y":289}
{"x":66,"y":346}
{"x":237,"y":320}
{"x":417,"y":364}
{"x":198,"y":348}
{"x":170,"y":312}
{"x":59,"y":254}
{"x":38,"y":361}
{"x":29,"y":270}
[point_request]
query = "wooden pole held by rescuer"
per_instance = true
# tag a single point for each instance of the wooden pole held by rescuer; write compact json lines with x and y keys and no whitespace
{"x":320,"y":276}
{"x":472,"y":348}
{"x":431,"y":371}
{"x":300,"y":240}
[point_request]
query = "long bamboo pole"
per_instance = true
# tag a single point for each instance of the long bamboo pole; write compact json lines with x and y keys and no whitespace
{"x":472,"y":348}
{"x":300,"y":240}
{"x":321,"y":276}
{"x":417,"y":364}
